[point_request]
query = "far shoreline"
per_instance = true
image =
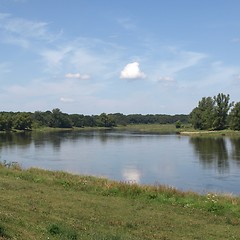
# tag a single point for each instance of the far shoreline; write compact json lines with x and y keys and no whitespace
{"x":185,"y":130}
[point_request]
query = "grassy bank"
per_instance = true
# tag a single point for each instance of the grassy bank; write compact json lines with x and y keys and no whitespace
{"x":186,"y":129}
{"x":143,"y":128}
{"x":154,"y":128}
{"x":38,"y":204}
{"x":222,"y":133}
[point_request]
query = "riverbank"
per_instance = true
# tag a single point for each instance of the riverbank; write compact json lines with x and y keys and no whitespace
{"x":203,"y":133}
{"x":185,"y":130}
{"x":38,"y":204}
{"x":143,"y":128}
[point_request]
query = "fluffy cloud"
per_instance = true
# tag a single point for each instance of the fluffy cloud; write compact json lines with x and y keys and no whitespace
{"x":77,"y":75}
{"x":132,"y":71}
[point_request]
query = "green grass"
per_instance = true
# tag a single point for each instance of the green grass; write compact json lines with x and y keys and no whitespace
{"x":38,"y":204}
{"x":154,"y":128}
{"x":187,"y":129}
{"x":204,"y":133}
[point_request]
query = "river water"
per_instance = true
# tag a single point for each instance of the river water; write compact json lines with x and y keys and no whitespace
{"x":187,"y":163}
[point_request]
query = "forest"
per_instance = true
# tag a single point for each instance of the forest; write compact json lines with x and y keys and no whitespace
{"x":212,"y":113}
{"x":57,"y":119}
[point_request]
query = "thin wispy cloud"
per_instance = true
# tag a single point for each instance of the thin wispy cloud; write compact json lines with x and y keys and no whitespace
{"x":54,"y":58}
{"x":66,"y":100}
{"x":127,"y":23}
{"x":77,"y":76}
{"x":22,"y":32}
{"x":5,"y":67}
{"x":167,"y":80}
{"x":181,"y":60}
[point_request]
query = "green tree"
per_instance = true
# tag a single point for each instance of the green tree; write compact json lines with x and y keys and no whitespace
{"x":5,"y":122}
{"x":59,"y":119}
{"x":234,"y":117}
{"x":22,"y":121}
{"x":178,"y":124}
{"x":202,"y":117}
{"x":77,"y":120}
{"x":222,"y":106}
{"x":105,"y":121}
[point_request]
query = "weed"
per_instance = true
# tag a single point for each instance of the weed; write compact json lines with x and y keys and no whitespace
{"x":54,"y":229}
{"x":3,"y":233}
{"x":58,"y":229}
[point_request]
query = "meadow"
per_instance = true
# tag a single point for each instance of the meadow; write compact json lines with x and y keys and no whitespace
{"x":40,"y":204}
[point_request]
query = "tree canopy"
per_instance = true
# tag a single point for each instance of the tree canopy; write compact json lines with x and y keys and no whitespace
{"x":212,"y":113}
{"x":57,"y":119}
{"x":234,"y":117}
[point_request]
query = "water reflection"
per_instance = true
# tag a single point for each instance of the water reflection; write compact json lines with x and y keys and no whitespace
{"x":132,"y":157}
{"x":235,"y":142}
{"x":212,"y":152}
{"x":13,"y":139}
{"x":131,"y":175}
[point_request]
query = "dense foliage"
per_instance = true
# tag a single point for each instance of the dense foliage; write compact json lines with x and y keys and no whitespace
{"x":213,"y":113}
{"x":58,"y":119}
{"x":234,"y":117}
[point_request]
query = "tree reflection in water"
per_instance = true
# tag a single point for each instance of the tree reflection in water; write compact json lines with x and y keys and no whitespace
{"x":22,"y":139}
{"x":235,"y":142}
{"x":212,"y":152}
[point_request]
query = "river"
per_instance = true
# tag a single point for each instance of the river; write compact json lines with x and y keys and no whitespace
{"x":184,"y":162}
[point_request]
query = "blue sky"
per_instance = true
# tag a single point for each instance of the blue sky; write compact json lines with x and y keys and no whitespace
{"x":128,"y":56}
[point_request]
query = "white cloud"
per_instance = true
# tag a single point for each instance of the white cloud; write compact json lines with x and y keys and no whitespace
{"x":77,"y":75}
{"x":166,"y":79}
{"x":54,"y":58}
{"x":21,"y":32}
{"x":66,"y":100}
{"x":132,"y":71}
{"x":182,"y":60}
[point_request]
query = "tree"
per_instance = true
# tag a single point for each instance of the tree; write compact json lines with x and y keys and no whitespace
{"x":211,"y":113}
{"x":221,"y":109}
{"x":5,"y":122}
{"x":22,"y":121}
{"x":77,"y":120}
{"x":105,"y":121}
{"x":202,"y":117}
{"x":59,"y":119}
{"x":178,"y":124}
{"x":234,"y":117}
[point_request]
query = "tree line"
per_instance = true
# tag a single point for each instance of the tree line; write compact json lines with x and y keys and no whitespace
{"x":216,"y":113}
{"x":57,"y":119}
{"x":212,"y":113}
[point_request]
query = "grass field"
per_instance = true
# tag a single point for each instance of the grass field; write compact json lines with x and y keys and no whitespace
{"x":38,"y":204}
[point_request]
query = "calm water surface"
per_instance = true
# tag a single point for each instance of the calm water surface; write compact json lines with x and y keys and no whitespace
{"x":198,"y":164}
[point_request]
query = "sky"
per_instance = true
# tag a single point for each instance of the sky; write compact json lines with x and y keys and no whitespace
{"x":128,"y":56}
